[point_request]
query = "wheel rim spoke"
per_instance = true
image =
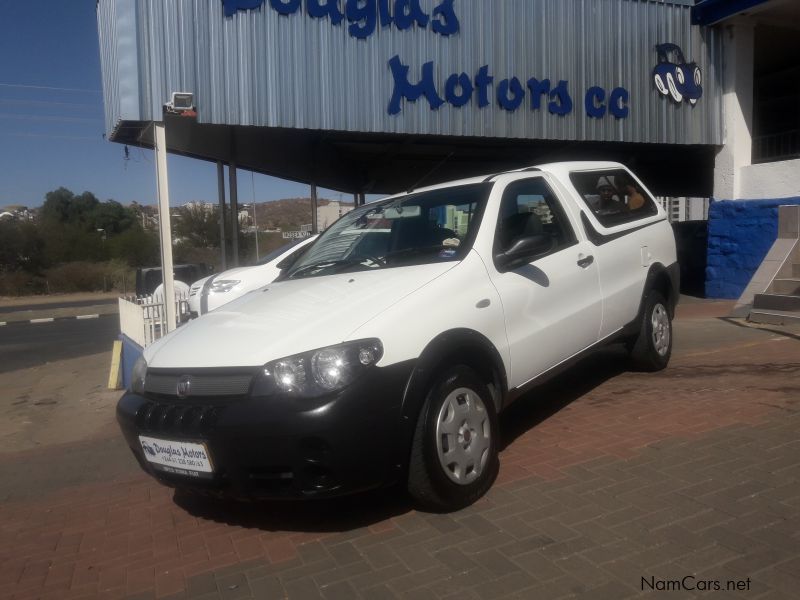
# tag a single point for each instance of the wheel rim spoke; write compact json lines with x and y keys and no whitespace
{"x":661,"y":329}
{"x":463,"y":436}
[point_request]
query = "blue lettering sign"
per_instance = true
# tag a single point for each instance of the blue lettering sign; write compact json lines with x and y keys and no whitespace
{"x":561,"y":94}
{"x":538,"y":88}
{"x":285,"y":7}
{"x":403,"y":88}
{"x":458,"y":81}
{"x":618,"y":103}
{"x":319,"y":9}
{"x":594,"y":101}
{"x":459,"y":90}
{"x":446,"y":12}
{"x":384,"y":12}
{"x":482,"y":81}
{"x":407,"y":12}
{"x":363,"y":15}
{"x":517,"y":94}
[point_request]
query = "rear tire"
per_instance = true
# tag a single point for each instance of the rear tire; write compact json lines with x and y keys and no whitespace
{"x":454,"y":453}
{"x":652,"y":348}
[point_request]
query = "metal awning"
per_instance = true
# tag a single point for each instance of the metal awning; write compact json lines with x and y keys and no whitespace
{"x":388,"y":163}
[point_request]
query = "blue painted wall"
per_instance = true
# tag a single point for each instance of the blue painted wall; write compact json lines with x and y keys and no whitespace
{"x":740,"y":233}
{"x":131,"y":351}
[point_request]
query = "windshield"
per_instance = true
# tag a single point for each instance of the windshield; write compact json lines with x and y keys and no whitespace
{"x":428,"y":227}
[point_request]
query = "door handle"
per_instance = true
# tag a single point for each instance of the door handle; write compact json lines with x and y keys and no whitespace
{"x":585,"y":262}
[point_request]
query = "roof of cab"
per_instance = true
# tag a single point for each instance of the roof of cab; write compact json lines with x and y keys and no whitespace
{"x":555,"y":168}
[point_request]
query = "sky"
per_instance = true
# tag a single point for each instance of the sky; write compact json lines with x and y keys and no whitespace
{"x":52,"y":122}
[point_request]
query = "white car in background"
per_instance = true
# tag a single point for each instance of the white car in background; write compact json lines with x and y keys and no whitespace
{"x":212,"y":292}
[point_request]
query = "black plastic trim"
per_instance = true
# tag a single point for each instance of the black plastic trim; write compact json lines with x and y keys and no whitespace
{"x":598,"y":239}
{"x":448,"y":348}
{"x":337,"y":444}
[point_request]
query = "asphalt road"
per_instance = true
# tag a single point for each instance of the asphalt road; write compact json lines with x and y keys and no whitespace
{"x":74,"y":303}
{"x":26,"y":345}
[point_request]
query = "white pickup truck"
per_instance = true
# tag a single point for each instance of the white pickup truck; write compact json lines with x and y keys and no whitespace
{"x":386,"y":351}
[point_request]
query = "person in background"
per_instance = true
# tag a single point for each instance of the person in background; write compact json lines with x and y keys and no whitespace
{"x":626,"y":188}
{"x":608,"y":200}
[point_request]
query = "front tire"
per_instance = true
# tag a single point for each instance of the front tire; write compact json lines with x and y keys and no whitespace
{"x":652,"y":348}
{"x":454,"y":453}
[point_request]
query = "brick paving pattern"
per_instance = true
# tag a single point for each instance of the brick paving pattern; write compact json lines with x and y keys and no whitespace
{"x":607,"y":477}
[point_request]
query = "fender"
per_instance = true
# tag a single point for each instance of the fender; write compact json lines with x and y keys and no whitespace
{"x":666,"y":279}
{"x":454,"y":346}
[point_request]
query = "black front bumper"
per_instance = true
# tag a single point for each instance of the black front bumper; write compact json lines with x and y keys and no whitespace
{"x":281,"y":447}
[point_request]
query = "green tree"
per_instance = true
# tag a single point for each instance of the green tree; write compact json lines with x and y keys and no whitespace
{"x":136,"y":247}
{"x":112,"y":217}
{"x":197,"y":226}
{"x":21,"y":246}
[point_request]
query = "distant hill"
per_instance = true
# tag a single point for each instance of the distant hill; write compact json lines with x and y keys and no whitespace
{"x":288,"y":214}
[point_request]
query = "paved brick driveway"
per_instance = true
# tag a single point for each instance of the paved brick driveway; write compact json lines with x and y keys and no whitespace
{"x":611,"y":483}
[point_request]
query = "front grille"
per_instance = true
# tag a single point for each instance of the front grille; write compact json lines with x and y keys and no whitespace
{"x":201,"y":385}
{"x":183,"y":419}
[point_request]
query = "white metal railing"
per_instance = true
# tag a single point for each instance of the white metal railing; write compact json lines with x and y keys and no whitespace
{"x":143,"y":318}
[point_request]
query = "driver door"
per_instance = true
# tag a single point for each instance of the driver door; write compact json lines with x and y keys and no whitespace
{"x":552,"y":304}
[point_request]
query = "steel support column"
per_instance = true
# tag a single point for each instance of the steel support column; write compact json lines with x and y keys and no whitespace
{"x":221,"y":194}
{"x":164,"y":224}
{"x":314,"y":224}
{"x":234,"y":214}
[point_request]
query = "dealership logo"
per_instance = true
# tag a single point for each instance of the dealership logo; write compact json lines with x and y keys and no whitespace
{"x":674,"y":77}
{"x":184,"y":386}
{"x":148,"y":448}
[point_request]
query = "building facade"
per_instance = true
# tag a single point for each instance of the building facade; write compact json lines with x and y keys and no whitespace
{"x":379,"y":96}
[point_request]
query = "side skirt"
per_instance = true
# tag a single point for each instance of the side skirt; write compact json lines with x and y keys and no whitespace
{"x":617,"y":336}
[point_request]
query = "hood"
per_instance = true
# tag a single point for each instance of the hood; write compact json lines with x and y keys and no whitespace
{"x":288,"y":317}
{"x":232,"y":273}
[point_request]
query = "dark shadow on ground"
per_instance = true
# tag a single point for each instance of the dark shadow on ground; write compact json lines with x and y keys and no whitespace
{"x":313,"y":516}
{"x":547,"y":399}
{"x":363,"y":510}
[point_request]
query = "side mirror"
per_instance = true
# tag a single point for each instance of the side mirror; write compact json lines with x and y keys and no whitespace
{"x":523,"y":249}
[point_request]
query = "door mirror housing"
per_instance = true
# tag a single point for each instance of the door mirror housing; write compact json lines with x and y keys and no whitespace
{"x":522,"y":250}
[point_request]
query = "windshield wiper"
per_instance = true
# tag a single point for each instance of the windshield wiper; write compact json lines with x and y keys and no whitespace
{"x":325,"y":264}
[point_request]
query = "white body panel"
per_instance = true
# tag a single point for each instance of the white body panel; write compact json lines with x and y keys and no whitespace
{"x":536,"y":316}
{"x":454,"y":300}
{"x":249,"y":278}
{"x":623,"y":263}
{"x":288,"y":317}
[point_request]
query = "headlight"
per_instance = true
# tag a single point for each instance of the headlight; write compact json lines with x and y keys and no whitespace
{"x":223,"y":286}
{"x":138,"y":375}
{"x":318,"y":372}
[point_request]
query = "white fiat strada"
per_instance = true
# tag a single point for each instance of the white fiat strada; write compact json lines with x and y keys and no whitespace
{"x":386,"y":351}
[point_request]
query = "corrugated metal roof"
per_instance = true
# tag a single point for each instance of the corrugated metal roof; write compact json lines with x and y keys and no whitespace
{"x":260,"y":68}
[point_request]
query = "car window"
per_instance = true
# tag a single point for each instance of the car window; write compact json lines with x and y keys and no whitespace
{"x":434,"y":226}
{"x":613,"y":196}
{"x":530,"y":207}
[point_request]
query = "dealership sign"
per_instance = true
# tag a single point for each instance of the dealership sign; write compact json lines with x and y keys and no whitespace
{"x":678,"y":80}
{"x":363,"y":16}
